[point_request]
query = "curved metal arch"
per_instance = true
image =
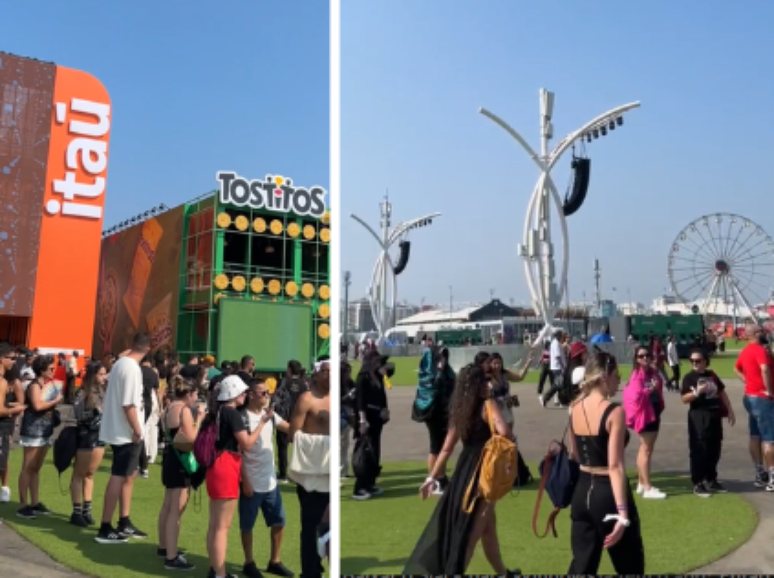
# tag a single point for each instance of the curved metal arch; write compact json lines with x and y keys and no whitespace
{"x":383,"y":268}
{"x":533,"y":217}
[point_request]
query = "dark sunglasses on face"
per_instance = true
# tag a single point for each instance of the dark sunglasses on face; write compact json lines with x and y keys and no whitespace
{"x":695,"y":360}
{"x":643,"y":356}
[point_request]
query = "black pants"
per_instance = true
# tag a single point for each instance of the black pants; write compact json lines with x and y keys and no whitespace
{"x":282,"y":455}
{"x":557,"y":382}
{"x":70,"y":389}
{"x":592,"y":501}
{"x":705,"y":440}
{"x":545,"y":373}
{"x":313,"y":506}
{"x":143,"y":448}
{"x":676,"y":376}
{"x":374,"y":435}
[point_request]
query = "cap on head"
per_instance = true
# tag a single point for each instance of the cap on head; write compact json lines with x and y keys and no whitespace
{"x":231,"y":387}
{"x":577,"y":349}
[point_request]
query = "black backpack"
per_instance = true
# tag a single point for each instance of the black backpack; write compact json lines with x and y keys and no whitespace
{"x":65,"y":448}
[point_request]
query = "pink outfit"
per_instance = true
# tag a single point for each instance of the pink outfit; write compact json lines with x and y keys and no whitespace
{"x":636,"y":400}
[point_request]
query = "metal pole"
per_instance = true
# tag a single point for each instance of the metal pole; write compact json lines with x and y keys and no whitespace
{"x":536,"y":249}
{"x":451,"y":304}
{"x":347,"y":281}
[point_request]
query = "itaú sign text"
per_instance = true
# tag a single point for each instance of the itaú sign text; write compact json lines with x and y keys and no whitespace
{"x":274,"y":193}
{"x":84,"y":160}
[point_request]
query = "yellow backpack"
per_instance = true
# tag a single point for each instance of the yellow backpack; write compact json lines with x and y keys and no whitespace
{"x":496,"y":470}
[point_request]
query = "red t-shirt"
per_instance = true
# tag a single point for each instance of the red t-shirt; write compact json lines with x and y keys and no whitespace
{"x":749,"y":364}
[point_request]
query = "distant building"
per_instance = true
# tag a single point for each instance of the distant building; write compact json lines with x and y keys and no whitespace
{"x":632,"y":308}
{"x":359,"y":318}
{"x":495,"y":310}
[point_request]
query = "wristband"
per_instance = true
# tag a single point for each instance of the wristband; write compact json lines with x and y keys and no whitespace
{"x":623,"y":508}
{"x":619,"y":519}
{"x":430,"y":479}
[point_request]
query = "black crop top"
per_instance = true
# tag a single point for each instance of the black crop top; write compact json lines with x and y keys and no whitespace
{"x":593,"y":450}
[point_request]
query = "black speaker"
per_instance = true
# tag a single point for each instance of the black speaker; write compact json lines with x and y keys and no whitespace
{"x":580,"y":185}
{"x":405,"y":251}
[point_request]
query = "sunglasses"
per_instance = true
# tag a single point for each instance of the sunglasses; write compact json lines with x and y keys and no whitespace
{"x":696,"y":360}
{"x":643,"y":356}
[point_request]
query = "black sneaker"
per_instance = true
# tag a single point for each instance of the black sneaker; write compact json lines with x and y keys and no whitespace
{"x":78,"y":520}
{"x":279,"y":569}
{"x":110,"y":536}
{"x":178,"y":563}
{"x":162,"y":552}
{"x":376,"y":491}
{"x":41,"y":510}
{"x":88,"y":518}
{"x":717,"y":487}
{"x":514,"y":572}
{"x":128,"y":530}
{"x":251,"y":570}
{"x":26,"y":512}
{"x":701,"y":490}
{"x":761,"y":480}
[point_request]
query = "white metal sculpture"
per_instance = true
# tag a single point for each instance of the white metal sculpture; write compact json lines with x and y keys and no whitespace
{"x":536,"y":249}
{"x":719,"y":262}
{"x":382,"y":300}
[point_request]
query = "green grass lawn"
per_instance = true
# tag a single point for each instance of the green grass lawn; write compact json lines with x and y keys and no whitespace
{"x":406,"y":369}
{"x":77,"y":549}
{"x":681,"y":533}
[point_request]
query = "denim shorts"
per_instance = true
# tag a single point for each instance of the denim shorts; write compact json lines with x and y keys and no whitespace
{"x":270,"y":503}
{"x":760,"y":412}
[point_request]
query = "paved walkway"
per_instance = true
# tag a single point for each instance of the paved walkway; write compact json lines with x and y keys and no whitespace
{"x":536,"y":426}
{"x":21,"y":559}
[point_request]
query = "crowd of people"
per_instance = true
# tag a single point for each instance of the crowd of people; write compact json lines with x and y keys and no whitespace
{"x":476,"y":405}
{"x":212,"y":427}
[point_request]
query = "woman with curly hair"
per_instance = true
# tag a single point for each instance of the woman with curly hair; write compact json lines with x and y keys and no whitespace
{"x":450,"y":538}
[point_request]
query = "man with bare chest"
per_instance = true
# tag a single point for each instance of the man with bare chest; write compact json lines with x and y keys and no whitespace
{"x":310,"y":465}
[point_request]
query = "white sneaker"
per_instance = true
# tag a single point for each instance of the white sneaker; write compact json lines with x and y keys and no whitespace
{"x":640,"y":489}
{"x":361,"y":495}
{"x":5,"y":495}
{"x":653,"y":494}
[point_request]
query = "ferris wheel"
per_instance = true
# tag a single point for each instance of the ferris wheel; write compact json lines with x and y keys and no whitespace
{"x":723,"y":264}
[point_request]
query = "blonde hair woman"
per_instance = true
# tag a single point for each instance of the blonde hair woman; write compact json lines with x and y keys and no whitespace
{"x":603,"y":512}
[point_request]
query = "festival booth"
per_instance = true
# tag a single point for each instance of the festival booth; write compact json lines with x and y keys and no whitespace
{"x":54,"y":133}
{"x":240,"y":271}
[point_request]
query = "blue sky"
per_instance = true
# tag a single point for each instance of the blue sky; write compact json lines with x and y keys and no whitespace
{"x":415,"y":72}
{"x":196,"y":87}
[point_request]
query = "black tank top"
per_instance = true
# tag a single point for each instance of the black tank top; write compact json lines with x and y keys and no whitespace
{"x":7,"y":423}
{"x":593,"y":450}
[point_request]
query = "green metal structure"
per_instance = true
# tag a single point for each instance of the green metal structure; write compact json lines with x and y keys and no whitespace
{"x":253,"y":282}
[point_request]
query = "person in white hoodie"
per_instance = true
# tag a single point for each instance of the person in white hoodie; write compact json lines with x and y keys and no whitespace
{"x":674,"y":363}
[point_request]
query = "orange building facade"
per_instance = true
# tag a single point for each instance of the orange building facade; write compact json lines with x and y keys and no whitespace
{"x":54,"y":148}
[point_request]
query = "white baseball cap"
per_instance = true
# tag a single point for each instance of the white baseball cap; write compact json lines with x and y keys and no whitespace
{"x":231,"y":387}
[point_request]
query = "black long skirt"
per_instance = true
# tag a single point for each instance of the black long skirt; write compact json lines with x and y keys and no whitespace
{"x":443,"y":545}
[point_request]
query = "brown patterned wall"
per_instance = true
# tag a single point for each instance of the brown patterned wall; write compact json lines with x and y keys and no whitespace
{"x":139,"y":284}
{"x":26,"y":95}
